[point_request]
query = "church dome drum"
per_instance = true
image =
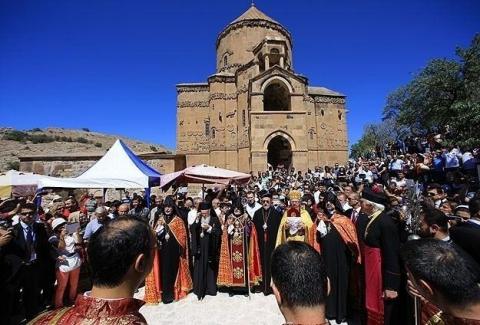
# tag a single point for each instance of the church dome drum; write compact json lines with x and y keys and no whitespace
{"x":236,"y":43}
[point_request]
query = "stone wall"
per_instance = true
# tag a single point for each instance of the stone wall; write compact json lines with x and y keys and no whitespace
{"x":75,"y":165}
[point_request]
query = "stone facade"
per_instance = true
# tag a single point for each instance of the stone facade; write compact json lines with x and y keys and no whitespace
{"x":256,"y":110}
{"x":75,"y":165}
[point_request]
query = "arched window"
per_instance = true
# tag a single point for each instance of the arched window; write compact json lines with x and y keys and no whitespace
{"x":276,"y":97}
{"x":339,"y":115}
{"x":207,"y":128}
{"x":225,"y":60}
{"x":322,"y":112}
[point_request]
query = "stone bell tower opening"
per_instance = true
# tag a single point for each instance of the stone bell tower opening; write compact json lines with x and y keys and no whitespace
{"x":276,"y":97}
{"x":279,"y":152}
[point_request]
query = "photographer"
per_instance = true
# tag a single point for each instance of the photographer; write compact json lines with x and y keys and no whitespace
{"x":27,"y":255}
{"x":66,"y":242}
{"x":7,"y":291}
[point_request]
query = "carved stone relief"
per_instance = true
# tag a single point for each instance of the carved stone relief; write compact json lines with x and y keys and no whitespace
{"x":193,"y":104}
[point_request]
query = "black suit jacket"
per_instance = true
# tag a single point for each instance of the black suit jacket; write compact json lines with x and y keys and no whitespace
{"x":360,"y":223}
{"x":467,"y":236}
{"x":16,"y":253}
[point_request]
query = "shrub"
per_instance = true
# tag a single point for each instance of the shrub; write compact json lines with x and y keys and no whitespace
{"x":153,"y":148}
{"x":15,"y":135}
{"x":13,"y":164}
{"x":81,"y":140}
{"x":98,"y":145}
{"x":41,"y":138}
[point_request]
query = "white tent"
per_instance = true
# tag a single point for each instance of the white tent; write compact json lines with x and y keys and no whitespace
{"x":118,"y":168}
{"x":18,"y":183}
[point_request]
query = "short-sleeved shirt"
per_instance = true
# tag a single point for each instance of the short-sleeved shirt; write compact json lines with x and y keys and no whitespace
{"x":92,"y":227}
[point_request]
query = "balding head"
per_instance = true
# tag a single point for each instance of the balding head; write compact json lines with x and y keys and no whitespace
{"x":123,"y":209}
{"x":353,"y":199}
{"x":101,"y":214}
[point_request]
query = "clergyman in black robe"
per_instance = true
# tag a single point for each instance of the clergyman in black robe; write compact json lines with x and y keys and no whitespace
{"x":266,"y":221}
{"x":336,"y":254}
{"x":170,"y":251}
{"x":206,"y":234}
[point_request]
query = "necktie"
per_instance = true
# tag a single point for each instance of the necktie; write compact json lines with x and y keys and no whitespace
{"x":29,"y":236}
{"x":29,"y":241}
{"x":354,"y":216}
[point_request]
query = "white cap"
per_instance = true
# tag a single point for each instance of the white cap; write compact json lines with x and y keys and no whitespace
{"x":57,"y":222}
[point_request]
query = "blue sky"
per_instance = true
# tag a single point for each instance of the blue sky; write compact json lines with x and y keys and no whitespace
{"x":112,"y":66}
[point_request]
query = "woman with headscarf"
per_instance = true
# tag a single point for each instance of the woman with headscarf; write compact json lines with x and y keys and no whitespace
{"x":337,"y":238}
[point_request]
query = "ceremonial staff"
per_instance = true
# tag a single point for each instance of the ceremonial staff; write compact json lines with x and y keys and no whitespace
{"x":245,"y":253}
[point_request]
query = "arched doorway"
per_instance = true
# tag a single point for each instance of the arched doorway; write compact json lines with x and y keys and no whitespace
{"x":279,"y":152}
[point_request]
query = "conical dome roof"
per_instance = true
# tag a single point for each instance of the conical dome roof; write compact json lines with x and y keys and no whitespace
{"x":236,"y":41}
{"x":254,"y":17}
{"x":253,"y":14}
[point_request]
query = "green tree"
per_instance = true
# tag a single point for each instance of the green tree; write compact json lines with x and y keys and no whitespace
{"x":443,"y":98}
{"x":377,"y":134}
{"x":425,"y":104}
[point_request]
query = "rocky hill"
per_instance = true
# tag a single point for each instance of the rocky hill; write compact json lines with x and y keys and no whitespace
{"x":56,"y":141}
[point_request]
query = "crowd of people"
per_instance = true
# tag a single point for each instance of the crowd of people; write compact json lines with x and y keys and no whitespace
{"x":332,"y":244}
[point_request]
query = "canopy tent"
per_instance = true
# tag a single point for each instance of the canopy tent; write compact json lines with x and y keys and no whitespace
{"x":15,"y":183}
{"x":204,"y":174}
{"x":118,"y":168}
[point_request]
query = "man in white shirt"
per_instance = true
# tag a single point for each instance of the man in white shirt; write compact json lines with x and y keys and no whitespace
{"x":401,"y":180}
{"x":216,"y":206}
{"x":193,"y":213}
{"x":437,"y":194}
{"x":396,"y":164}
{"x":251,"y":205}
{"x":342,"y":197}
{"x":452,"y":159}
{"x":316,"y":194}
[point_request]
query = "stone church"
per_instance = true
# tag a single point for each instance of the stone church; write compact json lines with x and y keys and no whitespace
{"x":255,"y":110}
